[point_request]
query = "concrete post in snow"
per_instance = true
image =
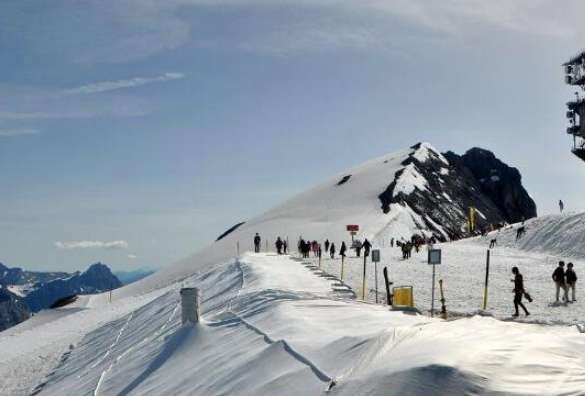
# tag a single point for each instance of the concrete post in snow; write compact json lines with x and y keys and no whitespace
{"x":190,"y":297}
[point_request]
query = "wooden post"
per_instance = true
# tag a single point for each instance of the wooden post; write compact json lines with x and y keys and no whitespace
{"x":110,"y":296}
{"x":267,"y":246}
{"x":388,"y":283}
{"x":433,"y":294}
{"x":376,"y":279}
{"x":238,"y":249}
{"x":487,"y":275}
{"x":342,"y":265}
{"x":364,"y":280}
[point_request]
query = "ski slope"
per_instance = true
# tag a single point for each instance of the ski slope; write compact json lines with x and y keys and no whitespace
{"x":274,"y":325}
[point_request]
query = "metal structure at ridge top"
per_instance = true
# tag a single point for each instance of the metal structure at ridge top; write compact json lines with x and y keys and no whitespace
{"x":575,"y":75}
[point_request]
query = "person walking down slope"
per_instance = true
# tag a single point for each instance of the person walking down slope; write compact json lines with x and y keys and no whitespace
{"x":561,"y":205}
{"x":342,"y":249}
{"x":571,"y":278}
{"x":332,"y":250}
{"x":518,"y":292}
{"x":278,"y":245}
{"x":257,"y":241}
{"x":558,"y":277}
{"x":285,"y":246}
{"x":326,"y":245}
{"x":367,"y":246}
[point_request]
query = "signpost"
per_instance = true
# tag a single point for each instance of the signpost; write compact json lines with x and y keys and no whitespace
{"x":376,"y":260}
{"x":352,"y":229}
{"x":434,"y":258}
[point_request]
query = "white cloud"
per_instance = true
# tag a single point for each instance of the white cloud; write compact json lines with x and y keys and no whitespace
{"x":106,"y":86}
{"x":132,"y":256}
{"x":18,"y":132}
{"x":68,"y":245}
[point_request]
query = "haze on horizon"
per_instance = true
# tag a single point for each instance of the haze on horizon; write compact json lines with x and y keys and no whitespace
{"x":135,"y":132}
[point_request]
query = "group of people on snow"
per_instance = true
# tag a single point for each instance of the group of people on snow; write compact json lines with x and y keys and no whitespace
{"x":565,"y":280}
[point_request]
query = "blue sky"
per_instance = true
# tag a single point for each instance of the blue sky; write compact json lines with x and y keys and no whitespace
{"x":135,"y":132}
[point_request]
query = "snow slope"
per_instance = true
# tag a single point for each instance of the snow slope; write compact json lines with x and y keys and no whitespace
{"x":274,"y":326}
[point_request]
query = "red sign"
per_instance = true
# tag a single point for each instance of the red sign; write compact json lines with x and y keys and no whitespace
{"x":352,"y":227}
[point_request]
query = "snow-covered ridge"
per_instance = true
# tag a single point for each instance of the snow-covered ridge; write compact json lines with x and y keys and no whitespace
{"x":273,"y":326}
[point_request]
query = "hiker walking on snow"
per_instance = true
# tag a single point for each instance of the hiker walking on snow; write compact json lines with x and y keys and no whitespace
{"x":278,"y":245}
{"x":571,"y":278}
{"x":257,"y":241}
{"x":285,"y":246}
{"x":561,"y":205}
{"x":558,"y":277}
{"x":326,"y":245}
{"x":342,"y":249}
{"x":518,"y":292}
{"x":357,"y":245}
{"x":367,"y":246}
{"x":332,"y":250}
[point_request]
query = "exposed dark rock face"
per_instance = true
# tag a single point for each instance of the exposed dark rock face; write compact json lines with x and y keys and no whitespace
{"x":12,"y":309}
{"x":343,"y":180}
{"x":232,"y":229}
{"x":98,"y":278}
{"x":498,"y":181}
{"x":445,"y":194}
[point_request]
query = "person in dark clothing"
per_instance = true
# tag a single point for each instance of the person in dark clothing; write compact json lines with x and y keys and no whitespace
{"x":367,"y":246}
{"x":520,"y":232}
{"x":332,"y":250}
{"x":571,"y":278}
{"x":561,"y":205}
{"x":285,"y":246}
{"x":257,"y":241}
{"x":518,"y":292}
{"x":342,"y":249}
{"x":278,"y":245}
{"x":493,"y":243}
{"x":391,"y":242}
{"x":558,"y":277}
{"x":326,"y":245}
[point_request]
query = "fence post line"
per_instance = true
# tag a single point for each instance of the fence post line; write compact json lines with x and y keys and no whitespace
{"x":342,"y":265}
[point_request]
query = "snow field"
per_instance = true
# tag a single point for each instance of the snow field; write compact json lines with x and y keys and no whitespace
{"x":273,"y":325}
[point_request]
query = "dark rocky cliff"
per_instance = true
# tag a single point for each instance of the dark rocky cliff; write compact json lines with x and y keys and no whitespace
{"x":498,"y":181}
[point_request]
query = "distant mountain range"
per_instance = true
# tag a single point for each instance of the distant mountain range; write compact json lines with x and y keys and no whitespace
{"x":25,"y":292}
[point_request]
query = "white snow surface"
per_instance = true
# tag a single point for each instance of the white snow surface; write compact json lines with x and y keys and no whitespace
{"x":274,"y":325}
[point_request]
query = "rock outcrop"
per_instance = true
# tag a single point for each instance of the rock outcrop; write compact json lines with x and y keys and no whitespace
{"x":499,"y":182}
